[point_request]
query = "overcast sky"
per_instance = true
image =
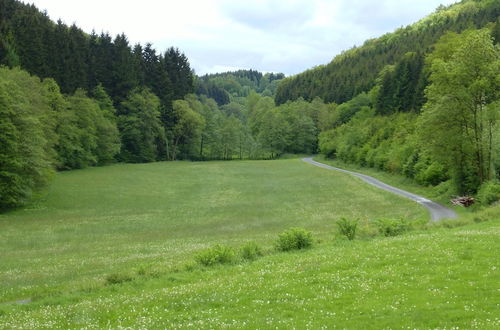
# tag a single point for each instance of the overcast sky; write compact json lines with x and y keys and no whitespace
{"x":286,"y":36}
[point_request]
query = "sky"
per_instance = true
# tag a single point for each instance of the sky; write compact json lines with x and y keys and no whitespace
{"x":287,"y":36}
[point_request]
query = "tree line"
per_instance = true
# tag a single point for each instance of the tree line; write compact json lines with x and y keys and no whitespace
{"x":43,"y":130}
{"x":74,"y":59}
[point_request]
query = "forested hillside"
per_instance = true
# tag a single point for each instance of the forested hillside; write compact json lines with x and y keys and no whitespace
{"x":227,"y":86}
{"x":356,"y":70}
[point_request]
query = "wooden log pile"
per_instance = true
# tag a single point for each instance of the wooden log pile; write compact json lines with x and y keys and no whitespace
{"x":464,"y":201}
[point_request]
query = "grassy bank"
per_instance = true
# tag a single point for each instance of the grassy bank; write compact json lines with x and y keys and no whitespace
{"x":443,"y":278}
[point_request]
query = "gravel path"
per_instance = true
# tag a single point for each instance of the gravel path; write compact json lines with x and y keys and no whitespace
{"x":436,"y":210}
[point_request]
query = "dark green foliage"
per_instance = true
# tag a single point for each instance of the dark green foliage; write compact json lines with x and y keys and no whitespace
{"x":495,"y":32}
{"x":294,"y":239}
{"x":223,"y":87}
{"x":216,"y":255}
{"x":211,"y":90}
{"x":250,"y":251}
{"x":8,"y":55}
{"x":347,"y":227}
{"x":176,"y":65}
{"x":400,"y":87}
{"x":392,"y":227}
{"x":118,"y":278}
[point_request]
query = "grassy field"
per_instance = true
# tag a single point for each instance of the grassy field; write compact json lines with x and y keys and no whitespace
{"x":438,"y":193}
{"x":147,"y":221}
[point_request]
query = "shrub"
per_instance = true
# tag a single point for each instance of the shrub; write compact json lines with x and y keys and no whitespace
{"x":392,"y":227}
{"x":489,"y":192}
{"x":117,"y":278}
{"x":347,"y":227}
{"x":250,"y":251}
{"x":218,"y":254}
{"x":294,"y":239}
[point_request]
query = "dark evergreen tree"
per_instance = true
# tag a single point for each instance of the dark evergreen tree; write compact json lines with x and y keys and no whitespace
{"x":179,"y":72}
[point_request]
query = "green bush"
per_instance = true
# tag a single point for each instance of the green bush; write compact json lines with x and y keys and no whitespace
{"x":117,"y":278}
{"x":347,"y":227}
{"x":250,"y":251}
{"x":218,"y":254}
{"x":392,"y":227}
{"x":294,"y":239}
{"x":433,"y":174}
{"x":489,"y":192}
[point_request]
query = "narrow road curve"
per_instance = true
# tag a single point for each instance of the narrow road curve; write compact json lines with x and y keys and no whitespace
{"x":437,"y":211}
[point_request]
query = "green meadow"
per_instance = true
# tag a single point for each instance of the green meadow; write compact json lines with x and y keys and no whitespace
{"x":144,"y":223}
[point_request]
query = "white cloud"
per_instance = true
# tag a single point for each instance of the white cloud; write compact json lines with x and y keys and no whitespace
{"x":267,"y":35}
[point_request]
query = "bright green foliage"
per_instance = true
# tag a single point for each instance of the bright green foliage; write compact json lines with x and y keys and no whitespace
{"x":187,"y":129}
{"x":392,"y":227}
{"x":294,"y":239}
{"x":489,"y":192}
{"x":250,"y":251}
{"x":216,"y":255}
{"x":87,"y":132}
{"x":140,"y":127}
{"x":108,"y":142}
{"x":347,"y":227}
{"x":459,"y":123}
{"x":26,"y":149}
{"x":78,"y":135}
{"x":383,"y":142}
{"x":274,"y":132}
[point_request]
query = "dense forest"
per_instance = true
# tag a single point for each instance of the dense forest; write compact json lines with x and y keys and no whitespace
{"x":422,"y":101}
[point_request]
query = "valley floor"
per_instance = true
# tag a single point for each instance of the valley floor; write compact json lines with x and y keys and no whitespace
{"x":145,"y":222}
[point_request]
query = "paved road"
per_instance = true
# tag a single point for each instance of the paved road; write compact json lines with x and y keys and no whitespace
{"x":436,"y":210}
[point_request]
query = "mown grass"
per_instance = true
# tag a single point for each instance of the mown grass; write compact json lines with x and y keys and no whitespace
{"x":116,"y":247}
{"x":96,"y":222}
